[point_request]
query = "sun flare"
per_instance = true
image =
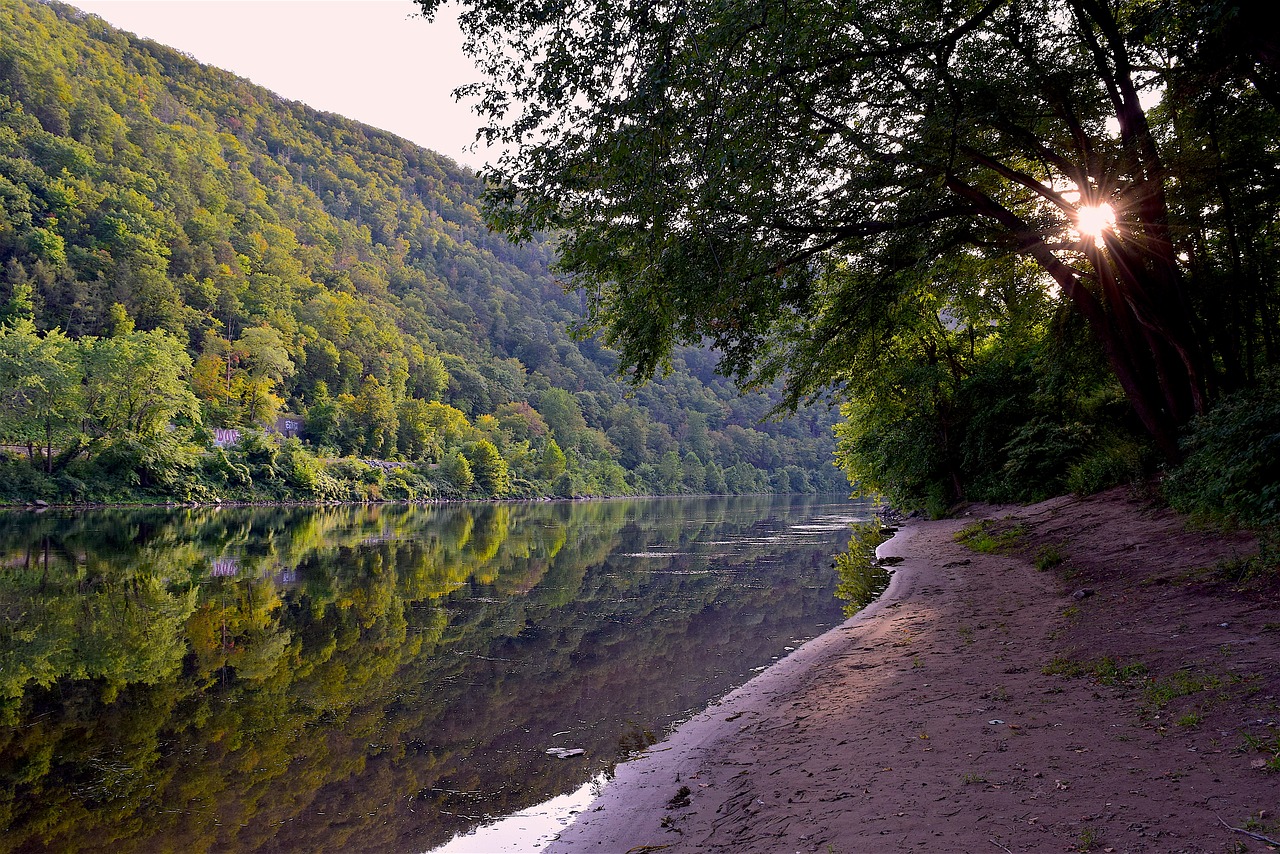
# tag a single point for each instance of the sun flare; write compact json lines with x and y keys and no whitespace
{"x":1094,"y":220}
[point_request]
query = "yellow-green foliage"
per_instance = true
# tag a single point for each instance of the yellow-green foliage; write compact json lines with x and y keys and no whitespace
{"x":309,"y":262}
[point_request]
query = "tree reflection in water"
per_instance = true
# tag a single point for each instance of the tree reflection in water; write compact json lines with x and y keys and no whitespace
{"x":371,"y":678}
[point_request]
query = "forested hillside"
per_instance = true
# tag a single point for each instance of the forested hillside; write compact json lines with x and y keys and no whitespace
{"x":183,"y":251}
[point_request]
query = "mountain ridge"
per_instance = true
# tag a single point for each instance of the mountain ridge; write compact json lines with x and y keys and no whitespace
{"x":313,"y":264}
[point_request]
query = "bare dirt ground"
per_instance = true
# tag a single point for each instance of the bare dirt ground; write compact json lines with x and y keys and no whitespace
{"x":983,"y":705}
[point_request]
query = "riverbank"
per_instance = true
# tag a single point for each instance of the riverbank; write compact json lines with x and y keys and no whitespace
{"x":1124,"y":699}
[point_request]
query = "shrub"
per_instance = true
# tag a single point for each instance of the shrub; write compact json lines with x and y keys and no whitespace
{"x":1113,"y":461}
{"x":162,"y":464}
{"x":220,"y":469}
{"x":21,"y":481}
{"x":306,"y":475}
{"x":1232,"y":468}
{"x":1038,"y":456}
{"x":407,"y":484}
{"x":259,"y":453}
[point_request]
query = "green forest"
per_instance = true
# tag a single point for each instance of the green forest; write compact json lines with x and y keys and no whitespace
{"x":183,"y":252}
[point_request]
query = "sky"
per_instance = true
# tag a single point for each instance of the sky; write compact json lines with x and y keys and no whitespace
{"x":376,"y":61}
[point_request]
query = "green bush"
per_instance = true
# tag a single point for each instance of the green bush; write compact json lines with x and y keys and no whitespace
{"x":1113,"y":461}
{"x":259,"y":453}
{"x":1038,"y":457}
{"x":163,"y":465}
{"x":1231,"y":472}
{"x":307,"y":476}
{"x":407,"y":484}
{"x":220,"y":470}
{"x":21,"y":481}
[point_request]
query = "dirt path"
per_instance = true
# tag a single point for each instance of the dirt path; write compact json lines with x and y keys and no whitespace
{"x":929,"y":722}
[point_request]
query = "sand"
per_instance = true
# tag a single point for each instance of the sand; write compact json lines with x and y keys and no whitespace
{"x":982,"y":705}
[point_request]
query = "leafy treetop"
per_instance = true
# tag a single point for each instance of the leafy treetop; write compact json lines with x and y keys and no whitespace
{"x":766,"y":175}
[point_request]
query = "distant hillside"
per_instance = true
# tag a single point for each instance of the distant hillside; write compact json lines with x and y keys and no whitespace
{"x":311,"y":264}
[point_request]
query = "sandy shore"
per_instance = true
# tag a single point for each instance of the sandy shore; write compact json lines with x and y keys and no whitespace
{"x":973,"y":708}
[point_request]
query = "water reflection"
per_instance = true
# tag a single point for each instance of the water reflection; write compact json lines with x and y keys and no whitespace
{"x":371,"y":678}
{"x":863,"y":576}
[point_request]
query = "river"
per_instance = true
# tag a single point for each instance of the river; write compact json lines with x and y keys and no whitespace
{"x":376,"y":678}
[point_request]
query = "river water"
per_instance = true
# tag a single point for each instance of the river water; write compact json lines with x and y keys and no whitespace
{"x":381,"y":678}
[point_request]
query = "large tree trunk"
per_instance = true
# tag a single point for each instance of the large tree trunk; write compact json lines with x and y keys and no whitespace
{"x":1150,"y":340}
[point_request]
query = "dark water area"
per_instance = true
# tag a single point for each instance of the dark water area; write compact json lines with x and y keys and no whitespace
{"x":374,"y":678}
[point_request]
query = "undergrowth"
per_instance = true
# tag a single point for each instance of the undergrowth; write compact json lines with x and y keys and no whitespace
{"x":985,"y":537}
{"x":1231,"y":474}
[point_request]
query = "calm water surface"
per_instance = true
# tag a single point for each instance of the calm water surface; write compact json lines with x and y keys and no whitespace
{"x":374,"y":678}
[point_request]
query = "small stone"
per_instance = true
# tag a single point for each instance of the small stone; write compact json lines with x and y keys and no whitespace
{"x":565,"y":752}
{"x":1082,"y":593}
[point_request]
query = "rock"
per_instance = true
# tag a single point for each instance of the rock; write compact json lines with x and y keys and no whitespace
{"x":681,"y":799}
{"x":1082,"y":593}
{"x":892,"y":560}
{"x":40,"y":502}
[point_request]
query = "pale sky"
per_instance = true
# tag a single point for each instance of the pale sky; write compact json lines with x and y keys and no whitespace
{"x":376,"y":61}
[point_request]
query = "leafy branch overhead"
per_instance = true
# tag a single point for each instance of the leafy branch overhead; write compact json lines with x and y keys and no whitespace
{"x":769,"y":176}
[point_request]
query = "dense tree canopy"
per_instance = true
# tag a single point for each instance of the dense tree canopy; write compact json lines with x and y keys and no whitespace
{"x":770,"y":176}
{"x":195,"y":235}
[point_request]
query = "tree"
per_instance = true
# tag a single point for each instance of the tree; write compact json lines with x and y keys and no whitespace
{"x":765,"y":175}
{"x":563,"y":416}
{"x":373,"y":416}
{"x":491,"y":471}
{"x":521,"y":421}
{"x":324,"y":417}
{"x":136,"y":383}
{"x":670,"y":472}
{"x":258,"y":403}
{"x":694,"y":475}
{"x":551,"y":462}
{"x":458,"y":471}
{"x":416,"y":439}
{"x":715,"y":479}
{"x":263,"y":353}
{"x":449,"y":425}
{"x":40,"y":388}
{"x":432,"y":378}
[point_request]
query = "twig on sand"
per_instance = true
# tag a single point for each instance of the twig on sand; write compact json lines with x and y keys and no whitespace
{"x":639,"y":849}
{"x":998,"y":845}
{"x":1249,"y":833}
